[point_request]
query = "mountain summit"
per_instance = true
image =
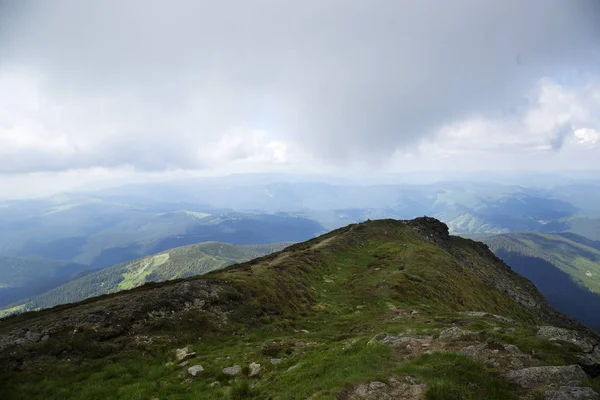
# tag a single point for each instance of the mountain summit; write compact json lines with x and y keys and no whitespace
{"x":377,"y":310}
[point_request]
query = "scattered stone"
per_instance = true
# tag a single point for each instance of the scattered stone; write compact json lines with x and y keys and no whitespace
{"x":195,"y":370}
{"x":304,"y":331}
{"x":553,"y":333}
{"x":572,"y":393}
{"x":276,"y":361}
{"x":535,"y":377}
{"x":454,"y":333}
{"x":410,"y":379}
{"x":184,"y":354}
{"x":232,"y":371}
{"x":254,"y":370}
{"x":183,"y":364}
{"x":215,"y":383}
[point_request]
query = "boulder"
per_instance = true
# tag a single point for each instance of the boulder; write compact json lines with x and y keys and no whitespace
{"x":232,"y":371}
{"x":535,"y":377}
{"x":195,"y":370}
{"x":254,"y":369}
{"x":572,"y":393}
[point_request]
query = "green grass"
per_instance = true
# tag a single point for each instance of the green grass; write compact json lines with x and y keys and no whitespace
{"x":452,"y":376}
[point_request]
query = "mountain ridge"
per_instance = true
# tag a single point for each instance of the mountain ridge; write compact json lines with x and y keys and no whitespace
{"x":343,"y":305}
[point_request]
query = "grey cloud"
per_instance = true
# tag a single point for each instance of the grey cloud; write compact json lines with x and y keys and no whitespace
{"x":344,"y":79}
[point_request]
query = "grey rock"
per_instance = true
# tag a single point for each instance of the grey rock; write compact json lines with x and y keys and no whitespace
{"x":553,"y":333}
{"x":535,"y":377}
{"x":454,"y":333}
{"x":276,"y":361}
{"x":183,"y":364}
{"x":215,"y":383}
{"x":232,"y":371}
{"x":572,"y":393}
{"x":254,"y":369}
{"x":195,"y":370}
{"x":512,"y":349}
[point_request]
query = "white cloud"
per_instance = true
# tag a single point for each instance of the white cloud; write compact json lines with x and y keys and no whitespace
{"x":556,"y":115}
{"x":187,"y":85}
{"x":587,"y":136}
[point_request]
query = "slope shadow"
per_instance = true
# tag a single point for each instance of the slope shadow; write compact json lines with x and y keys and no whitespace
{"x":557,"y":288}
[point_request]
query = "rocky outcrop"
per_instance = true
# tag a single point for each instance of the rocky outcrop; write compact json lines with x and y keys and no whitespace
{"x":535,"y":377}
{"x":552,"y":333}
{"x":117,"y":317}
{"x":500,"y":356}
{"x":430,"y":229}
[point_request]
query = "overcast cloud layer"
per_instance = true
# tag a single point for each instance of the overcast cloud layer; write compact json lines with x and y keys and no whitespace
{"x":233,"y":85}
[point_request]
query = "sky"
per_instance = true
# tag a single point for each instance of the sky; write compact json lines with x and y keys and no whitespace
{"x":133,"y":90}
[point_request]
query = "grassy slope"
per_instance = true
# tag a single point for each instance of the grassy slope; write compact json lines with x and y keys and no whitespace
{"x":315,"y":305}
{"x":580,"y":261}
{"x":180,"y":262}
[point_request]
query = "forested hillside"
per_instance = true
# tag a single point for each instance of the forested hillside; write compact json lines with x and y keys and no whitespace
{"x":564,"y":267}
{"x":21,"y":277}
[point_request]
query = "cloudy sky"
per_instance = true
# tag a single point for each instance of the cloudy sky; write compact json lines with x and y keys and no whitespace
{"x":131,"y":89}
